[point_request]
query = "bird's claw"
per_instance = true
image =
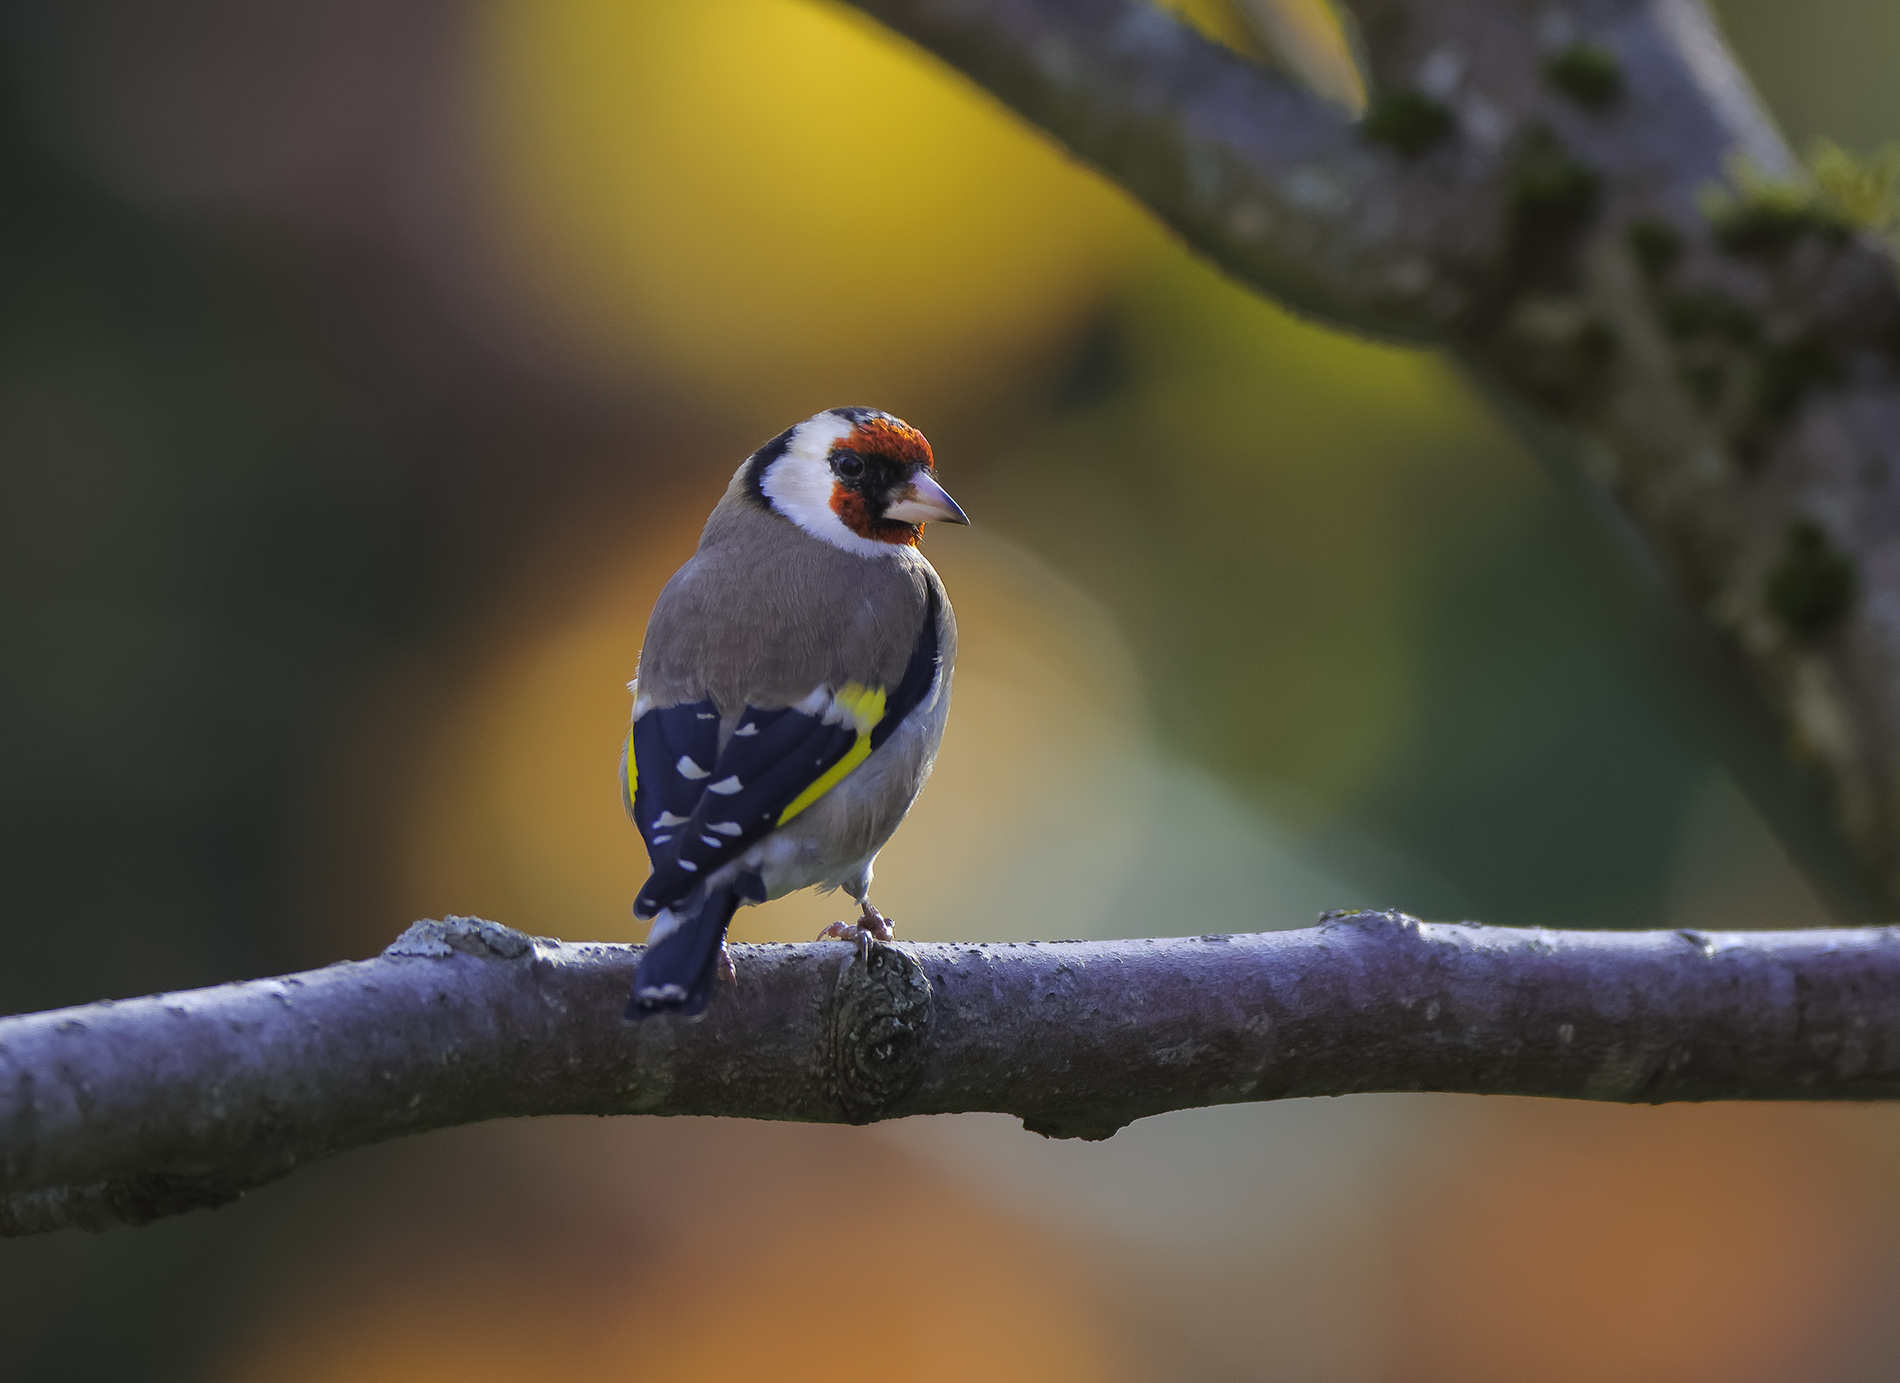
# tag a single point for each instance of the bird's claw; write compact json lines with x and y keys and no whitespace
{"x":851,"y":932}
{"x":876,"y":923}
{"x":871,"y":925}
{"x":724,"y":967}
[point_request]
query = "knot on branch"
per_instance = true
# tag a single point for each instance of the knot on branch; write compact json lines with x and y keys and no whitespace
{"x":472,"y":936}
{"x":881,"y":1014}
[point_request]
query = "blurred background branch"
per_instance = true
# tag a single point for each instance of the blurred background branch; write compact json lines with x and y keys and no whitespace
{"x":128,"y":1112}
{"x":1538,"y":190}
{"x":1273,"y":181}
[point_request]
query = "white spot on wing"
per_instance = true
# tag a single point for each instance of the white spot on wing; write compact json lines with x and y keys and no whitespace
{"x":725,"y":787}
{"x":689,"y":866}
{"x":688,"y":769}
{"x":664,"y":926}
{"x":668,"y":819}
{"x":747,"y":729}
{"x":713,"y":841}
{"x":725,"y":828}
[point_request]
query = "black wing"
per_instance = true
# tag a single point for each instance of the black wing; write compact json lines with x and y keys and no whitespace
{"x":777,"y":763}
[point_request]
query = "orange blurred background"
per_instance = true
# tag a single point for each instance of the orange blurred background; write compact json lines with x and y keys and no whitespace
{"x":374,"y":367}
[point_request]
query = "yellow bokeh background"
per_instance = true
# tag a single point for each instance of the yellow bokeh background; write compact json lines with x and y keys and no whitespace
{"x":766,"y":202}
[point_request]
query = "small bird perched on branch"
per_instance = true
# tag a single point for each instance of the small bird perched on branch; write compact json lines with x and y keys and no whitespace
{"x":791,"y":695}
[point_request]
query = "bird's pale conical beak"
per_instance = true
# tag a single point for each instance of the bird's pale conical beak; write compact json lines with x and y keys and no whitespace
{"x":925,"y":501}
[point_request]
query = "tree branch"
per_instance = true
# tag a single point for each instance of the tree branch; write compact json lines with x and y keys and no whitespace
{"x":1263,"y":176}
{"x":119,"y":1113}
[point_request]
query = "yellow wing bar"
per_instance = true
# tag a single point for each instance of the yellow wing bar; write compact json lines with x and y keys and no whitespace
{"x":629,"y":769}
{"x":863,"y":708}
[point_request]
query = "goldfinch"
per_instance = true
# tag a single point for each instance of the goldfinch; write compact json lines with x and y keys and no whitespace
{"x":791,"y":692}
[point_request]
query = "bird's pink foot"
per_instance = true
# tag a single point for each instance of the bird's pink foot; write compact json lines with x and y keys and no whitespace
{"x":874,"y":922}
{"x":871,"y":925}
{"x":724,"y":966}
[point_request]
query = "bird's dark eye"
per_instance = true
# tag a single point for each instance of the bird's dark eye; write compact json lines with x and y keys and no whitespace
{"x":848,"y":466}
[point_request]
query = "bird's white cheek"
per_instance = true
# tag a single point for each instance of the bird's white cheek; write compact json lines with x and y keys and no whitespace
{"x":801,"y":487}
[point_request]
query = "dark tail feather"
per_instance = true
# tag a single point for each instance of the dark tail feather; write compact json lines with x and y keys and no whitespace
{"x":675,"y":975}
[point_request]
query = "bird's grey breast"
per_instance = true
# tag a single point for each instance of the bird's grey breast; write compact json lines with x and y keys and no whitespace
{"x":764,"y":613}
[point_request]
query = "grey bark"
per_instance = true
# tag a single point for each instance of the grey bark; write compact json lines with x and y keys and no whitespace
{"x":119,"y":1113}
{"x":1529,"y":190}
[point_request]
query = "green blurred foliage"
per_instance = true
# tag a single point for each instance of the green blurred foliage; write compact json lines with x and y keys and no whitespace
{"x":1354,"y":595}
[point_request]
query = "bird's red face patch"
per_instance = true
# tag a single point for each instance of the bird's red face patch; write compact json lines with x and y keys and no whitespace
{"x":888,"y":437}
{"x":854,"y":511}
{"x":889,"y":451}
